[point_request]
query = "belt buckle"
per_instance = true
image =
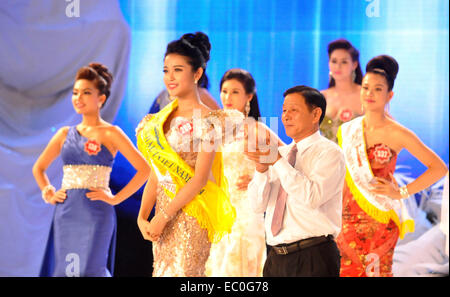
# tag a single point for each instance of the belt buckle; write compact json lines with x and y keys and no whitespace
{"x":283,"y":250}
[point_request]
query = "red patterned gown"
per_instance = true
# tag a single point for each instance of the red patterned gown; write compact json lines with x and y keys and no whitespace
{"x":366,"y":245}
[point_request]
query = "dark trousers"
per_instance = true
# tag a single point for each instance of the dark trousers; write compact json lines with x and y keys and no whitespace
{"x":322,"y":260}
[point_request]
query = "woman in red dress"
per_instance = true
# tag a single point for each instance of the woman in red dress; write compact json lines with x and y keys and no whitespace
{"x":374,"y":215}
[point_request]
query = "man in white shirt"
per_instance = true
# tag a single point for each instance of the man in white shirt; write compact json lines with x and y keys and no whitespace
{"x":300,"y":230}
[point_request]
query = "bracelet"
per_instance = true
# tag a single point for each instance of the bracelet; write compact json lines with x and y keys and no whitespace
{"x":165,"y":215}
{"x":404,"y":192}
{"x":48,"y":188}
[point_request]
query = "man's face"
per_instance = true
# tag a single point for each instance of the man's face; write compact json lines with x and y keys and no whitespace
{"x":298,"y":120}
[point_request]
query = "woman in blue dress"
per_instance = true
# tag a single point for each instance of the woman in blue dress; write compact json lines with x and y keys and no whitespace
{"x":84,"y":222}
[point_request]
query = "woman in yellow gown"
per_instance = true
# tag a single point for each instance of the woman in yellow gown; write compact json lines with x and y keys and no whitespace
{"x":187,"y":183}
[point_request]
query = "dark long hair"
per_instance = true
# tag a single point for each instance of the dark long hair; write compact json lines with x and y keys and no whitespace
{"x":354,"y":53}
{"x":196,"y":48}
{"x":247,"y":81}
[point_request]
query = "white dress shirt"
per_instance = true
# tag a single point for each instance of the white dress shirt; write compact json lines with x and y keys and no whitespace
{"x":314,"y":188}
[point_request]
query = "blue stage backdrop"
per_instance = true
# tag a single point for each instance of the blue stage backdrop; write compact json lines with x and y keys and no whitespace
{"x":282,"y":43}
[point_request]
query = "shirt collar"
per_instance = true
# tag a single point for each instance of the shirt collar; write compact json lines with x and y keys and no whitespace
{"x":305,"y":143}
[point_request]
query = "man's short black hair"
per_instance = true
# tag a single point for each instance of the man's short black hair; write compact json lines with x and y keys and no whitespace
{"x":313,"y":98}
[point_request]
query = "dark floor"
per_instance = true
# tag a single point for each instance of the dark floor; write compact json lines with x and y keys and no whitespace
{"x":134,"y":255}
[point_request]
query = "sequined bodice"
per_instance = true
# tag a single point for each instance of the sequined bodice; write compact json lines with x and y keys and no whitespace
{"x":184,"y":247}
{"x":182,"y":140}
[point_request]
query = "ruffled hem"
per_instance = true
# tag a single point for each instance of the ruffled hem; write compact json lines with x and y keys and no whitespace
{"x":379,"y":215}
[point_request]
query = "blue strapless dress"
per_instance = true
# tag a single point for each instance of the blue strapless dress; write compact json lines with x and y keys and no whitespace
{"x":83,"y":231}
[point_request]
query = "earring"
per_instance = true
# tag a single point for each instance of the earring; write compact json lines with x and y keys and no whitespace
{"x":195,"y":81}
{"x":247,"y":108}
{"x":353,"y":76}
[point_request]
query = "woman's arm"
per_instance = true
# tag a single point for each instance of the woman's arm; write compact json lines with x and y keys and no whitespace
{"x":121,"y":141}
{"x":185,"y":194}
{"x":147,"y":203}
{"x":50,"y":153}
{"x":436,"y":168}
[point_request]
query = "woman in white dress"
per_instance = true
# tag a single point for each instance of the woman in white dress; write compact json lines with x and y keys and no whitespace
{"x":243,"y":252}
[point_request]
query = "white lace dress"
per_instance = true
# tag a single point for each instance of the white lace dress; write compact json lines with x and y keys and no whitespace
{"x":243,"y":252}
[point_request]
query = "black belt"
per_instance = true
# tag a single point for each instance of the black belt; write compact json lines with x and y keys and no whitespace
{"x":284,"y":249}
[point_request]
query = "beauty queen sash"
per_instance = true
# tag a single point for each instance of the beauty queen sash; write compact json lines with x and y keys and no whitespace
{"x":211,"y":207}
{"x":359,"y":173}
